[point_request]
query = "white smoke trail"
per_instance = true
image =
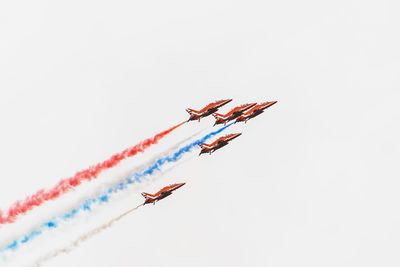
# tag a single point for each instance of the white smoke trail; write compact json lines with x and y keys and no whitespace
{"x":75,"y":244}
{"x":83,"y":238}
{"x":114,"y":180}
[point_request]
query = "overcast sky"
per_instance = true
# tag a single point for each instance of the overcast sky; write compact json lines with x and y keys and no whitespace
{"x":314,"y":181}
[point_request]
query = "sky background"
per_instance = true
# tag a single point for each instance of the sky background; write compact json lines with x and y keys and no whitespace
{"x":314,"y":181}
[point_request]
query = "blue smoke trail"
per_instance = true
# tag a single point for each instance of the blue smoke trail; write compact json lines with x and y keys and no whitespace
{"x":88,"y":204}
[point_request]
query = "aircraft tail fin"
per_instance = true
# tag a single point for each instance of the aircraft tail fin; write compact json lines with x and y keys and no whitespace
{"x":218,"y":116}
{"x":204,"y":146}
{"x":147,"y":195}
{"x":203,"y":149}
{"x":149,"y":198}
{"x":192,"y":111}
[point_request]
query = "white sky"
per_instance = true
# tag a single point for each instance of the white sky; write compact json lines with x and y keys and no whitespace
{"x":312,"y":182}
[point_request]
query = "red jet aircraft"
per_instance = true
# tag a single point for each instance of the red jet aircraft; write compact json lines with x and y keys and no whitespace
{"x":217,"y":144}
{"x":163,"y":193}
{"x":255,"y":111}
{"x":207,"y":110}
{"x":232,"y":114}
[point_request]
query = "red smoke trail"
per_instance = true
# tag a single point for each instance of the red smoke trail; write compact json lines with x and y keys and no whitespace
{"x":65,"y":185}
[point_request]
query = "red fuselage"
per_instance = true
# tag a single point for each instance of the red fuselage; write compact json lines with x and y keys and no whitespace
{"x":163,"y":193}
{"x":255,"y":111}
{"x":217,"y":144}
{"x":207,"y":110}
{"x":232,"y":114}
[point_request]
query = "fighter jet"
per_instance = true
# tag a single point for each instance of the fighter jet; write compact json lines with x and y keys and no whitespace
{"x":232,"y":114}
{"x":217,"y":144}
{"x":163,"y":193}
{"x":207,"y":110}
{"x":255,"y":111}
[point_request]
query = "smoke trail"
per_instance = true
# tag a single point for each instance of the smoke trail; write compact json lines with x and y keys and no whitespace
{"x":65,"y":185}
{"x":68,"y":248}
{"x":88,"y":204}
{"x":143,"y":166}
{"x":98,"y":189}
{"x":83,"y":238}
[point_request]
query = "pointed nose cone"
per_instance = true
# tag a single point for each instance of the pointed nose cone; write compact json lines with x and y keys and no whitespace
{"x":248,"y":106}
{"x":180,"y":185}
{"x":235,"y":135}
{"x":223,"y":102}
{"x":273,"y":103}
{"x":251,"y":105}
{"x":268,"y":104}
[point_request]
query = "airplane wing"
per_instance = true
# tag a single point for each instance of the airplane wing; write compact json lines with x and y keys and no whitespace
{"x":223,"y":142}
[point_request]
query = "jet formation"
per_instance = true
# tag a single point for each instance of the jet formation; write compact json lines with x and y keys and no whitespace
{"x":241,"y":113}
